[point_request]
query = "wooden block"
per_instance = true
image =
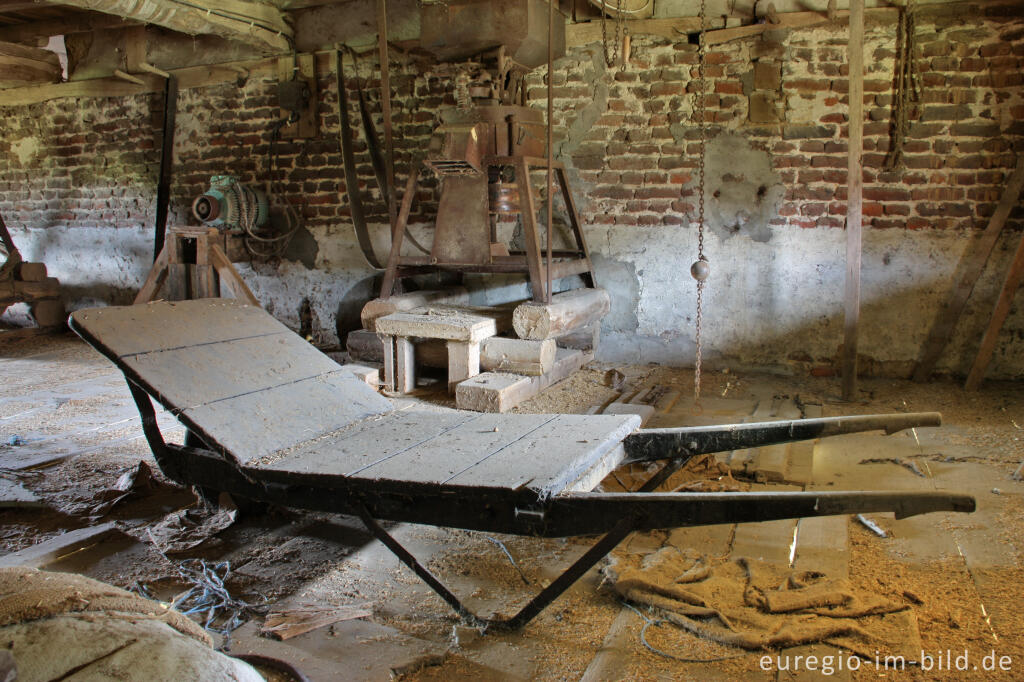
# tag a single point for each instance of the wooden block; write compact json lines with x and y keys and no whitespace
{"x":30,"y":272}
{"x":567,"y":311}
{"x":518,"y":356}
{"x":365,"y":373}
{"x":364,"y":345}
{"x":645,"y":412}
{"x":457,"y":326}
{"x":493,"y":392}
{"x":379,"y":307}
{"x":463,"y":362}
{"x":48,"y":287}
{"x":49,"y":312}
{"x":585,"y":338}
{"x":499,"y":392}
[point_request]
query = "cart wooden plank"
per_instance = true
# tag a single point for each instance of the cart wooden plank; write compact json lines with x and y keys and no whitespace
{"x":197,"y":375}
{"x":349,"y":451}
{"x":444,"y":457}
{"x":550,"y":458}
{"x":255,"y":425}
{"x":129,"y":330}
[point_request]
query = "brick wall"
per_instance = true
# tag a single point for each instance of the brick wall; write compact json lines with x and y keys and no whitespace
{"x":789,"y":97}
{"x":74,"y":168}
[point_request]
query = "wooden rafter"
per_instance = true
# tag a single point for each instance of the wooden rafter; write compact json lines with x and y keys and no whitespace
{"x":252,"y":22}
{"x":24,"y":65}
{"x":73,"y":22}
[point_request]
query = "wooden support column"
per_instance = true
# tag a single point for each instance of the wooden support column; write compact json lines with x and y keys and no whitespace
{"x":855,"y":191}
{"x":388,"y":343}
{"x":463,"y":362}
{"x":405,"y":365}
{"x":163,"y":189}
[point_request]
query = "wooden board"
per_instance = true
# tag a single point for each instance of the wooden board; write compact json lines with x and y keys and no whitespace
{"x":49,"y":551}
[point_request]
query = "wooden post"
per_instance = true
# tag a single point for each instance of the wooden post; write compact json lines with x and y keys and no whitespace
{"x":855,"y":190}
{"x":163,"y":189}
{"x":551,"y":193}
{"x":385,"y":101}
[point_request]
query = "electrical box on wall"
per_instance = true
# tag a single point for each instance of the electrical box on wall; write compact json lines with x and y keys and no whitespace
{"x":297,"y":96}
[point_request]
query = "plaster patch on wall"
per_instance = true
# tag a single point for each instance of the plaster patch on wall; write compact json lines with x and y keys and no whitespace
{"x":589,"y":114}
{"x":619,"y":279}
{"x":25,"y":149}
{"x":742,"y":192}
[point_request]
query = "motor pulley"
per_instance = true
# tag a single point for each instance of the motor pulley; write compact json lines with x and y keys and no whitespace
{"x":230,"y":205}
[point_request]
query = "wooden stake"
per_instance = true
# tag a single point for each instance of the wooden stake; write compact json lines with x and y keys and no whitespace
{"x":855,"y":190}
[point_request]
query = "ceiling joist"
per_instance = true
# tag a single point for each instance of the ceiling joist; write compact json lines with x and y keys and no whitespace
{"x":251,"y":22}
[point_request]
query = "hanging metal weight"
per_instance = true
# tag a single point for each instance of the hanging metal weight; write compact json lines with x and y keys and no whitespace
{"x":700,"y":269}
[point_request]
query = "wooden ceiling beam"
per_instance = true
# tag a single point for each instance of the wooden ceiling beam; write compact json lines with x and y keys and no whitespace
{"x":77,"y":22}
{"x":251,"y":22}
{"x":24,"y":65}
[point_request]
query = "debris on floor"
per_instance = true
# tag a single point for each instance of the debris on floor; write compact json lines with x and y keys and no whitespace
{"x":284,"y":625}
{"x":754,"y":605}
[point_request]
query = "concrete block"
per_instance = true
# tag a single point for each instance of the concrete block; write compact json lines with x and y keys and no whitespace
{"x":365,"y":373}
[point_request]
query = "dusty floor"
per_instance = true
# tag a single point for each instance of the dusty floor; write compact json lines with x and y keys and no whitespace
{"x":68,"y":432}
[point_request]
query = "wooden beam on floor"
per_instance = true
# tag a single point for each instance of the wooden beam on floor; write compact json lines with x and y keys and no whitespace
{"x":254,"y":23}
{"x":855,"y":191}
{"x":971,"y":268}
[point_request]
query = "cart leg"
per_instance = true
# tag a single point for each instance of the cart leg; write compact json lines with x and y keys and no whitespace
{"x":563,"y":582}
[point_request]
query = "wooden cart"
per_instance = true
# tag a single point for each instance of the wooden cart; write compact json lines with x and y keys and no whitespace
{"x":270,"y":418}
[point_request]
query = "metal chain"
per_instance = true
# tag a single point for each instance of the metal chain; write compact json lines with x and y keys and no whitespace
{"x":907,"y":88}
{"x":620,"y":33}
{"x":699,"y":269}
